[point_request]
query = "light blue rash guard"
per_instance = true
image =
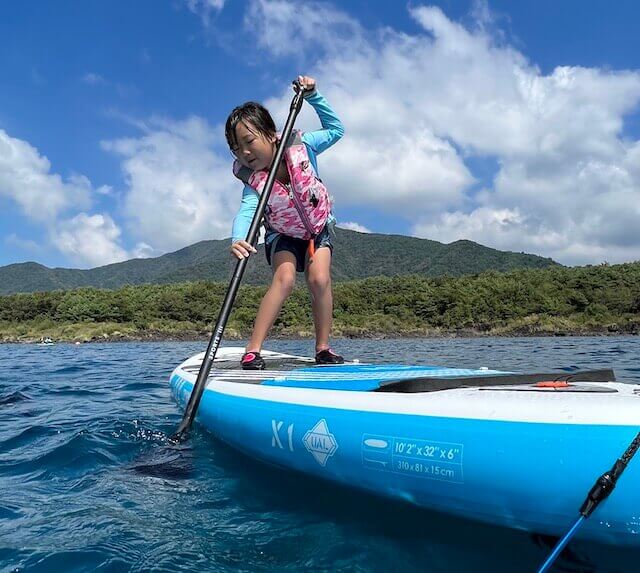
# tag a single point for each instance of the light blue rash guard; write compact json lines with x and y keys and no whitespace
{"x":316,"y":142}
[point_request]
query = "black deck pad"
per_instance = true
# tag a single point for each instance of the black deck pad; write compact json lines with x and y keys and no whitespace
{"x":435,"y":384}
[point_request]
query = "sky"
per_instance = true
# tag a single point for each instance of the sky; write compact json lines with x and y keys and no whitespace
{"x":512,"y":124}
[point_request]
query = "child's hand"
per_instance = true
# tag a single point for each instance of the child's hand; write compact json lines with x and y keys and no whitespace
{"x":242,"y":249}
{"x":306,"y":83}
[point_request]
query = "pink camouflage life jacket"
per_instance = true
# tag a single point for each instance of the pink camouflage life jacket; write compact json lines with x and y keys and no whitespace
{"x":300,"y":209}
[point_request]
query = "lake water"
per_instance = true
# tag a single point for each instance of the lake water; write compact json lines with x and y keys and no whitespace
{"x":76,"y":420}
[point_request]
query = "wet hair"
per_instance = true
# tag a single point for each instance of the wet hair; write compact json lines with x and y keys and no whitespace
{"x":252,"y":114}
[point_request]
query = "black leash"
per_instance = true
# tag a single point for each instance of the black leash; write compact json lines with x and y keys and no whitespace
{"x":600,"y":491}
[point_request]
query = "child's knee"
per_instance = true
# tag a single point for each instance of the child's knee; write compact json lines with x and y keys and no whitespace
{"x":284,"y":282}
{"x":320,"y":282}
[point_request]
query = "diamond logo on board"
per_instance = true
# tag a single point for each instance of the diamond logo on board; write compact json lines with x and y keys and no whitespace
{"x":320,"y":442}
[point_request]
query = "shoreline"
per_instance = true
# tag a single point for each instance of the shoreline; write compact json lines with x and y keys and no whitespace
{"x":191,"y":336}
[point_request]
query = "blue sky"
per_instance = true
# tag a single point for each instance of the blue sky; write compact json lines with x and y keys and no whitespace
{"x":514,"y":124}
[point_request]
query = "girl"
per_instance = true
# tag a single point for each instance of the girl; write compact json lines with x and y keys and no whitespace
{"x":297,"y":237}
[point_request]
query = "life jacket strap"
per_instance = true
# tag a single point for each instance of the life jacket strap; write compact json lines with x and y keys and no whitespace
{"x":311,"y":249}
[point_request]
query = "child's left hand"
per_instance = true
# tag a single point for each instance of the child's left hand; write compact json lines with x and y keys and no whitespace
{"x":308,"y":84}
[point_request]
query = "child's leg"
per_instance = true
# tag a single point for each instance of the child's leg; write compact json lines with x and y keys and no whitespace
{"x":284,"y":278}
{"x":319,"y":281}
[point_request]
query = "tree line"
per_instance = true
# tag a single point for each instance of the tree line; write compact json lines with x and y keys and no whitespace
{"x":591,"y":298}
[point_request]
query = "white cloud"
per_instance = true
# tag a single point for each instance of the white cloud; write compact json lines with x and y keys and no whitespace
{"x":94,"y":79}
{"x":390,"y":158}
{"x":14,"y":240}
{"x":179,"y":190}
{"x":504,"y":228}
{"x":296,"y":28}
{"x":104,"y":190}
{"x":414,"y":173}
{"x":417,"y":106}
{"x":204,"y":8}
{"x":143,"y":251}
{"x":26,"y":178}
{"x":47,"y":199}
{"x":91,"y":240}
{"x":353,"y":226}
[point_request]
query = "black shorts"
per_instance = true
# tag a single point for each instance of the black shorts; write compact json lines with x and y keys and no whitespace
{"x":297,"y":246}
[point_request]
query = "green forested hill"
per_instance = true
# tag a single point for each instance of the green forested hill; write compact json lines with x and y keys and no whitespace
{"x":357,"y":255}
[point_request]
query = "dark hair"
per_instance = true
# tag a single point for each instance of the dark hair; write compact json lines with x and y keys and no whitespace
{"x":255,"y":115}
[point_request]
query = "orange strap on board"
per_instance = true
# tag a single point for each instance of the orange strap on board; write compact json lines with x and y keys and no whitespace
{"x":552,"y":384}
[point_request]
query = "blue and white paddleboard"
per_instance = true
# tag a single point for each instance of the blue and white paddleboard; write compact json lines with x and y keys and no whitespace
{"x":481,"y":444}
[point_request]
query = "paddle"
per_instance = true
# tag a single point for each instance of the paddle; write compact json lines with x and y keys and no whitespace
{"x":234,"y":284}
{"x":599,"y":492}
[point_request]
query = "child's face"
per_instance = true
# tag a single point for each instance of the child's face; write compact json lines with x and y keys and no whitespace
{"x":254,"y":150}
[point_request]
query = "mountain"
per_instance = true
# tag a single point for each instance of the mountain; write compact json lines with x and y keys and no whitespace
{"x":357,"y":255}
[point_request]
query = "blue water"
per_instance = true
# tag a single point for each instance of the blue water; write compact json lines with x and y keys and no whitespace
{"x":87,"y":482}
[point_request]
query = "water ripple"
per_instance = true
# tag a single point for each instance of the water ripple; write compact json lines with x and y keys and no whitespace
{"x":13,"y":398}
{"x":94,"y":483}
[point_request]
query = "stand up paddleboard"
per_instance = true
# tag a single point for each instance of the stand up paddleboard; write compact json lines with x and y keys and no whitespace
{"x":509,"y":449}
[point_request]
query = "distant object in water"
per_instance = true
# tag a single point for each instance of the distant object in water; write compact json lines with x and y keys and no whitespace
{"x":45,"y":340}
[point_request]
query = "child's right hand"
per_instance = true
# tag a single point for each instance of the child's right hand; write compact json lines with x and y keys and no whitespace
{"x":242,"y":249}
{"x":307,"y":83}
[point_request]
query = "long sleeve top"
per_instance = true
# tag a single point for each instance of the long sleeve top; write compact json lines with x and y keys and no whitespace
{"x":315,"y":141}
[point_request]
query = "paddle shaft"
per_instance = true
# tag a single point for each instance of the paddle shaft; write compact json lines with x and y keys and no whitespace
{"x":241,"y":265}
